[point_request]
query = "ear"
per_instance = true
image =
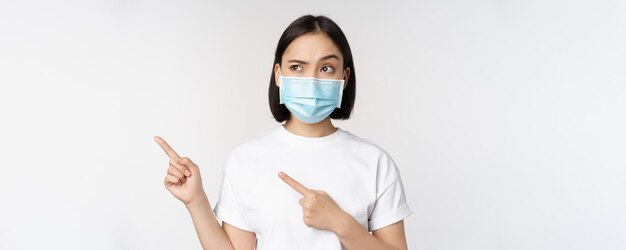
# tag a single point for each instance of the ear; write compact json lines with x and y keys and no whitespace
{"x":346,"y":76}
{"x":277,"y":74}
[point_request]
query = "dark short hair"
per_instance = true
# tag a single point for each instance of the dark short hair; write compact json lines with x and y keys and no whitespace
{"x":303,"y":25}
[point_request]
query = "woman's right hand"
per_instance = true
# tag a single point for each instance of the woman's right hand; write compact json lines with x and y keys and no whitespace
{"x":183,"y":176}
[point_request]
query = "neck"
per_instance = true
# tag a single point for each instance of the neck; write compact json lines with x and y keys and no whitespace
{"x":320,"y":129}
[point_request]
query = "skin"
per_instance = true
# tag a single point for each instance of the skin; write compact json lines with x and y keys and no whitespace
{"x":310,"y":55}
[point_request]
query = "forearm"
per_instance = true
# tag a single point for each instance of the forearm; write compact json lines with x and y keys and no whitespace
{"x":354,"y":236}
{"x":210,"y":233}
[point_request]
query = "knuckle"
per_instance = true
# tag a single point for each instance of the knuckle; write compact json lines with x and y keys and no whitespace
{"x":307,"y":221}
{"x":173,"y":180}
{"x":175,"y":173}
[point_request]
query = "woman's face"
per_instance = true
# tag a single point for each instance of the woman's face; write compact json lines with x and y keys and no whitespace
{"x":312,"y":55}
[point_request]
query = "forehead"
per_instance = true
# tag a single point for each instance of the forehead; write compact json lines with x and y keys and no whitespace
{"x":311,"y":46}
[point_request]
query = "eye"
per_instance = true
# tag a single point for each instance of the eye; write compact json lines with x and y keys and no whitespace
{"x":296,"y":67}
{"x":328,"y":69}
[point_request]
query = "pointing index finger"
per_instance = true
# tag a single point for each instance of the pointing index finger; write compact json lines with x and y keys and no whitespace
{"x":166,"y":147}
{"x":293,"y":184}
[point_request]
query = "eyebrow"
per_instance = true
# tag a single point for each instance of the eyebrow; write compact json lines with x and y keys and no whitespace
{"x":323,"y":58}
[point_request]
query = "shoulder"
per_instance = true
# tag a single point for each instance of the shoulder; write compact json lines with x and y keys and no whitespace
{"x":386,"y":170}
{"x":259,"y":141}
{"x":255,"y":145}
{"x":364,"y":145}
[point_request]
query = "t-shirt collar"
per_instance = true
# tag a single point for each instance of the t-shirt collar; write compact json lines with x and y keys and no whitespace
{"x":308,"y":142}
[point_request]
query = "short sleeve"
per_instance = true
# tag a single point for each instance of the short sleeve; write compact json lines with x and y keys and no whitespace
{"x":228,"y":207}
{"x":390,"y":206}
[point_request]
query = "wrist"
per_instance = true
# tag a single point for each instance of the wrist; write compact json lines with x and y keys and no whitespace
{"x":345,"y":225}
{"x":198,"y":201}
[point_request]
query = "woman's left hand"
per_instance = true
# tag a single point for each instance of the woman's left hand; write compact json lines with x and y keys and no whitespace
{"x":319,"y":210}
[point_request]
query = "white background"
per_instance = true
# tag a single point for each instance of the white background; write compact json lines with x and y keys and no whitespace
{"x":506,"y":118}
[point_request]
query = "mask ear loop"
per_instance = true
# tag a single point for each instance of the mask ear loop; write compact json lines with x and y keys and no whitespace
{"x":343,"y":77}
{"x":343,"y":81}
{"x":280,"y":89}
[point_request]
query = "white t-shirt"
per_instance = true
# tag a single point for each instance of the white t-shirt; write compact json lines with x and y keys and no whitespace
{"x":359,"y":175}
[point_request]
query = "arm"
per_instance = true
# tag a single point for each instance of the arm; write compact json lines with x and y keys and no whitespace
{"x":183,"y":180}
{"x":320,"y":211}
{"x":240,"y":239}
{"x":214,"y":236}
{"x":354,"y":236}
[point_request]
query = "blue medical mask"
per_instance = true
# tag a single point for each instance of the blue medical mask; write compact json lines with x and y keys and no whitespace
{"x":311,"y":100}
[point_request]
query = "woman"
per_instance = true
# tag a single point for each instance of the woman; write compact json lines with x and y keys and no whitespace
{"x":340,"y":187}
